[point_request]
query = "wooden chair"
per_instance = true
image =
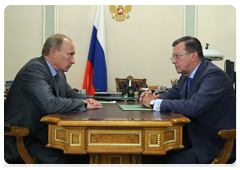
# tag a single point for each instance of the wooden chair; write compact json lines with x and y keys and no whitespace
{"x":122,"y":84}
{"x":229,"y":136}
{"x":19,"y":132}
{"x":152,"y":87}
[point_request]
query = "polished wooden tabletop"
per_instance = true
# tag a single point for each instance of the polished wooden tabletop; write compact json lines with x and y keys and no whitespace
{"x":115,"y":116}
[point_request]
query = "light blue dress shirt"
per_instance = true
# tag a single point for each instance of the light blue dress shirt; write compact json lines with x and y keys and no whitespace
{"x":53,"y":71}
{"x":158,"y":102}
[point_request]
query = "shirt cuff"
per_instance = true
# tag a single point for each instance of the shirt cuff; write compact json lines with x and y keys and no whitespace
{"x":157,"y":105}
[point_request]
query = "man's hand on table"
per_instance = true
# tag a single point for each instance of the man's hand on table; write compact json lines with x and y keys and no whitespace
{"x":93,"y":104}
{"x":146,"y":97}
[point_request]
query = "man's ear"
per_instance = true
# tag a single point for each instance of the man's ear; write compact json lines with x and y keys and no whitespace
{"x":53,"y":51}
{"x":195,"y":56}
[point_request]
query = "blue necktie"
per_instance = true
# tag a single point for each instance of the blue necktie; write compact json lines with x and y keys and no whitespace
{"x":188,"y":137}
{"x":189,"y":83}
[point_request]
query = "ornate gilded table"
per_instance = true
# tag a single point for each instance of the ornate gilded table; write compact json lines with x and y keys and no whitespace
{"x":111,"y":135}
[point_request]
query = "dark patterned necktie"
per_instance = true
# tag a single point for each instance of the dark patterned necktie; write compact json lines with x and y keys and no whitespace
{"x":56,"y":84}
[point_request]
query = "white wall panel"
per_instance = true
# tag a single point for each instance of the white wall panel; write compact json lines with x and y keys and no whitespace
{"x":139,"y":46}
{"x":217,"y":27}
{"x":22,"y":37}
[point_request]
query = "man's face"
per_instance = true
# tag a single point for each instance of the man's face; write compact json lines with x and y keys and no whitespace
{"x":183,"y":62}
{"x":65,"y":57}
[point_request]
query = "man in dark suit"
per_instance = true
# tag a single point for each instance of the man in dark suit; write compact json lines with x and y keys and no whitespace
{"x":40,"y":88}
{"x":205,"y":95}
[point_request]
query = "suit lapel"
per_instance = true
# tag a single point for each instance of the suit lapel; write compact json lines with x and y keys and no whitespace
{"x":184,"y":88}
{"x":195,"y":80}
{"x":43,"y":61}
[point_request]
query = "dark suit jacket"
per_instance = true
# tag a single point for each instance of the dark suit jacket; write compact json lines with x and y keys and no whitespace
{"x":210,"y":105}
{"x":32,"y":96}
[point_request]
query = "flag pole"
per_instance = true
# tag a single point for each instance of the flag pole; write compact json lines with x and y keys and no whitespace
{"x":87,"y":84}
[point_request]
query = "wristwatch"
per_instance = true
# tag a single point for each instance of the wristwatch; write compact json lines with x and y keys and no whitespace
{"x":152,"y":102}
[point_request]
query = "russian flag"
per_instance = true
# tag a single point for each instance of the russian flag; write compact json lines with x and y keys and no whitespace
{"x":96,"y":70}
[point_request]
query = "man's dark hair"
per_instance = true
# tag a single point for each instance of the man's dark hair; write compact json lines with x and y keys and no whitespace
{"x":56,"y":41}
{"x":191,"y":44}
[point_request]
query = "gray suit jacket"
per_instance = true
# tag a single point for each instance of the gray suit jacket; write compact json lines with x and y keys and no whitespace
{"x":210,"y":105}
{"x":32,"y":96}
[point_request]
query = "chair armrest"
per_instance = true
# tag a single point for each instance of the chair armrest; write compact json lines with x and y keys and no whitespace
{"x":228,"y":136}
{"x":19,"y":132}
{"x":10,"y":130}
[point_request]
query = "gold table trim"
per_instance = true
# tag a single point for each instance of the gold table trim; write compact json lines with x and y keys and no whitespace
{"x":79,"y":144}
{"x":115,"y":144}
{"x":158,"y":140}
{"x":175,"y":136}
{"x":55,"y":135}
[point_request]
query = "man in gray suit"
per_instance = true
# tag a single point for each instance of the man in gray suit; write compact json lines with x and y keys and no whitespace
{"x":205,"y":95}
{"x":40,"y":88}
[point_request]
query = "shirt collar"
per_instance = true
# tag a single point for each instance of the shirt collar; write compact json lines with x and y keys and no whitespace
{"x":53,"y":71}
{"x":194,"y":71}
